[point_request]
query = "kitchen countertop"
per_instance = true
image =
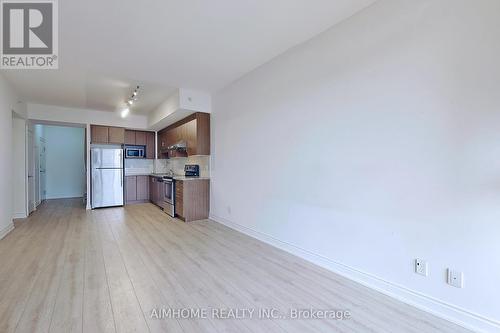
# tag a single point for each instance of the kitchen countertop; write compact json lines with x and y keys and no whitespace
{"x":189,"y":178}
{"x":176,"y":177}
{"x":143,"y":174}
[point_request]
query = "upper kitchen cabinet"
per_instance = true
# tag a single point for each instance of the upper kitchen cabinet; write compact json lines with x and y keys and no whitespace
{"x":129,"y":137}
{"x":201,"y":141}
{"x":150,"y":145}
{"x":190,"y":128}
{"x":107,"y":134}
{"x":137,"y":138}
{"x":116,"y":135}
{"x":193,"y":131}
{"x":141,"y":138}
{"x":99,"y":134}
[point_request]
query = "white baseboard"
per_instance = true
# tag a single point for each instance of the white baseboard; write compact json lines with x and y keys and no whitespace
{"x":19,"y":216}
{"x":6,"y":230}
{"x":69,"y":196}
{"x":426,"y":303}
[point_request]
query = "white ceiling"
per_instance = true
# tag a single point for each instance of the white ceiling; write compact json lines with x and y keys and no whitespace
{"x":108,"y":47}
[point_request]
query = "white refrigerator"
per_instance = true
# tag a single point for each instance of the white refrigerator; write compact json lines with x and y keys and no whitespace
{"x":107,"y":177}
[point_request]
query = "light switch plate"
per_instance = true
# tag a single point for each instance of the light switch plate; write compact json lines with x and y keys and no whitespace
{"x":455,"y":278}
{"x":421,"y":267}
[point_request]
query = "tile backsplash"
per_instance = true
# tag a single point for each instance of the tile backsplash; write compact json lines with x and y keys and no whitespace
{"x":143,"y":166}
{"x":136,"y":166}
{"x":161,"y":166}
{"x":177,"y":165}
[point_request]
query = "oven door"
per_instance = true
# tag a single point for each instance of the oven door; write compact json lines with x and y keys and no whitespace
{"x":169,"y":191}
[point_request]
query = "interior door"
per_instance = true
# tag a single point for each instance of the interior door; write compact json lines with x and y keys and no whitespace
{"x":43,"y":174}
{"x":31,"y":171}
{"x":36,"y":174}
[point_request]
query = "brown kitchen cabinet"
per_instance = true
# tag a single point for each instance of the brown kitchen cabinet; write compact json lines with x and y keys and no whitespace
{"x":192,"y":199}
{"x":107,"y":134}
{"x":201,"y":132}
{"x":142,"y":188}
{"x":99,"y":134}
{"x":129,"y":137}
{"x":191,"y":137}
{"x":136,"y":189}
{"x":141,"y":138}
{"x":194,"y":130}
{"x":116,"y":135}
{"x":150,"y":145}
{"x":155,"y":192}
{"x":130,"y":189}
{"x":162,"y":141}
{"x":152,"y":189}
{"x":179,"y":198}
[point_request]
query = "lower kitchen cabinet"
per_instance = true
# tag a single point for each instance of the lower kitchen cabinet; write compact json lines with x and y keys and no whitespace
{"x":142,"y":188}
{"x":179,"y":198}
{"x":155,"y":191}
{"x":152,"y":190}
{"x":136,"y":189}
{"x":192,"y":199}
{"x":130,"y":189}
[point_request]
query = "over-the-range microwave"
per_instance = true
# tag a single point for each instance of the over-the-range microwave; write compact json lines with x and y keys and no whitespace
{"x":135,"y":152}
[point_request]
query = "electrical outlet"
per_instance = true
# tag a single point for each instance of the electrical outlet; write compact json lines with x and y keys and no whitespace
{"x":455,"y":278}
{"x":421,"y":267}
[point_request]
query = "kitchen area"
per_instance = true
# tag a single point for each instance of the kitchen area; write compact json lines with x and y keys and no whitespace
{"x":169,"y":168}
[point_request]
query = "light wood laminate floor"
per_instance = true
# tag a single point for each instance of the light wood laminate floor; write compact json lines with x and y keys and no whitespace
{"x":65,"y":269}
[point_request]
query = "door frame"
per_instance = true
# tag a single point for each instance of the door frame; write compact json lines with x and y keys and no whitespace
{"x":30,"y":166}
{"x":42,"y":192}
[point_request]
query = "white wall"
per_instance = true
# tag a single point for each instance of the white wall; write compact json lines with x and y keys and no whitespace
{"x":65,"y":162}
{"x":19,"y":167}
{"x":375,"y":143}
{"x":8,"y":103}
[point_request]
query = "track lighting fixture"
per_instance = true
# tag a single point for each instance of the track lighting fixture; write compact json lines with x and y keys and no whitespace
{"x":133,"y":98}
{"x":129,"y":102}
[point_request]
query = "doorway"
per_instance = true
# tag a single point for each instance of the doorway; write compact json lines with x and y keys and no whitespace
{"x":56,"y":162}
